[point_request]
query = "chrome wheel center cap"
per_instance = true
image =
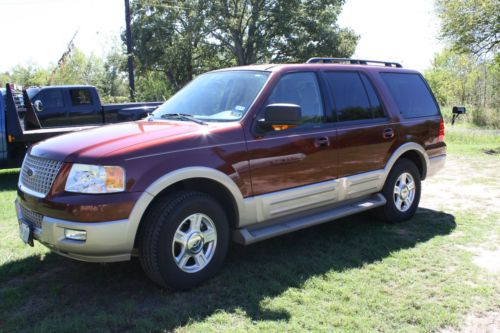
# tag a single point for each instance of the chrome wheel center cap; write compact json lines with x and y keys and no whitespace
{"x":195,"y":242}
{"x":404,"y":192}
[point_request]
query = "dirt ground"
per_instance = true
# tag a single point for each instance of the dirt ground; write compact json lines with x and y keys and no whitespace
{"x":475,"y":183}
{"x":468,"y":181}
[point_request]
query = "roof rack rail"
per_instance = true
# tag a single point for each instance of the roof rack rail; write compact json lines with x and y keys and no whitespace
{"x":352,"y":61}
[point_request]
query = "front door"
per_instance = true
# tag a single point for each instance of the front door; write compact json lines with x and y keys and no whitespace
{"x":299,"y":157}
{"x":54,"y":112}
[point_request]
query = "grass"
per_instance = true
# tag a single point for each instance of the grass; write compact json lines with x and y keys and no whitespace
{"x":462,"y":139}
{"x":353,"y":275}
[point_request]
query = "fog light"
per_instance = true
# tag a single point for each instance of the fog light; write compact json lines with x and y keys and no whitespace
{"x":79,"y":235}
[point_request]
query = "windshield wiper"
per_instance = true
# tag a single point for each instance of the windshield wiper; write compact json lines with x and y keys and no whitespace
{"x":183,"y":116}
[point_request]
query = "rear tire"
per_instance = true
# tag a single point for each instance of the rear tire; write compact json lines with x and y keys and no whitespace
{"x":184,"y":240}
{"x":402,"y":190}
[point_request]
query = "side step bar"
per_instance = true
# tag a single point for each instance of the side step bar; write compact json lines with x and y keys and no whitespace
{"x":253,"y":234}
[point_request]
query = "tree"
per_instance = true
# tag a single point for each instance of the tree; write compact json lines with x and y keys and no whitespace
{"x":280,"y":30}
{"x":451,"y":77}
{"x":4,"y":79}
{"x":30,"y":76}
{"x":463,"y":79}
{"x":80,"y":69}
{"x":184,"y":38}
{"x":171,"y":39}
{"x":152,"y":86}
{"x":114,"y":77}
{"x":470,"y":25}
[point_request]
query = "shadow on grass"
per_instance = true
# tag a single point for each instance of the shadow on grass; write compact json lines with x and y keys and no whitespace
{"x":8,"y":179}
{"x":61,"y":294}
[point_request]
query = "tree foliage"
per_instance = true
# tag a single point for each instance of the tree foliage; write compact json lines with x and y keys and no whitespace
{"x":29,"y":75}
{"x":188,"y":37}
{"x":4,"y":79}
{"x":462,"y":79}
{"x":107,"y":74}
{"x":171,"y":40}
{"x":472,"y":26}
{"x":279,"y":30}
{"x":467,"y":72}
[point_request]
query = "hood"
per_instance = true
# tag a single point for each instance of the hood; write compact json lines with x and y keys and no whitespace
{"x":121,"y":139}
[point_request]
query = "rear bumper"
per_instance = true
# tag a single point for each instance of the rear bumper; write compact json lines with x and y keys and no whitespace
{"x":106,"y":241}
{"x":436,"y":163}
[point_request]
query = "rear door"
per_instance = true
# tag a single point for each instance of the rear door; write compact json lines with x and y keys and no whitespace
{"x":365,"y":132}
{"x":84,"y":107}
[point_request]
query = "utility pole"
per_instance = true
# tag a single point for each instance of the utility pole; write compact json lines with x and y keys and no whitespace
{"x":130,"y":60}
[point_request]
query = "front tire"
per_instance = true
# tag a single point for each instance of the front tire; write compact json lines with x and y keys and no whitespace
{"x":184,"y":240}
{"x":402,"y":190}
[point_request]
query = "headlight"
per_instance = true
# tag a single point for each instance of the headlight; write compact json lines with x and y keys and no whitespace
{"x":85,"y":178}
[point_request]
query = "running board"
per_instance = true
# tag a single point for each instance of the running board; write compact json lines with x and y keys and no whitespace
{"x":259,"y":233}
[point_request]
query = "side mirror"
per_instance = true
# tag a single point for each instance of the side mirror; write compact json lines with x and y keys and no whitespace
{"x":457,"y":111}
{"x":38,"y":105}
{"x":282,"y":114}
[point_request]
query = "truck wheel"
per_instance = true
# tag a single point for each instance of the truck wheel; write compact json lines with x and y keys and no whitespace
{"x":402,"y":191}
{"x":184,"y":240}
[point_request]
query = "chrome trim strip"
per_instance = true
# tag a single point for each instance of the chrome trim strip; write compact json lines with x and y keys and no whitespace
{"x":29,"y":191}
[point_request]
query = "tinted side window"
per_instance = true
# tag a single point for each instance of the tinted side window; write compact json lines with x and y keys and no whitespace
{"x":80,"y":97}
{"x":52,"y":99}
{"x":301,"y":89}
{"x":411,"y":94}
{"x":377,"y":111}
{"x":353,"y":96}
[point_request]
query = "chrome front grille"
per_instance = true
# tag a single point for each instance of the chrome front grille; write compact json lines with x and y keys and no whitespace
{"x":38,"y":174}
{"x":32,"y":217}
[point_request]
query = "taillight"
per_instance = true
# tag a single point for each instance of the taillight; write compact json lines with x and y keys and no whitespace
{"x":441,"y":130}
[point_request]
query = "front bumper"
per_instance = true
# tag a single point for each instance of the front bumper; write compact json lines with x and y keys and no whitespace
{"x":106,"y":241}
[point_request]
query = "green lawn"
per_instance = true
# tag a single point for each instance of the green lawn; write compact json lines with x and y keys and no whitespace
{"x":352,"y":275}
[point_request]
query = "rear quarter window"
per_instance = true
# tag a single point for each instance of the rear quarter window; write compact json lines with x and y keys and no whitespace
{"x":411,"y":94}
{"x":80,"y":97}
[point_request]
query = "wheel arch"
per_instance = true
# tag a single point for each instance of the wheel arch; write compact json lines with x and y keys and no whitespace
{"x":201,"y":179}
{"x":413,"y":152}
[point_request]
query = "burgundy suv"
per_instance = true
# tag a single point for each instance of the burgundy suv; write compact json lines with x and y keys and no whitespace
{"x":239,"y":154}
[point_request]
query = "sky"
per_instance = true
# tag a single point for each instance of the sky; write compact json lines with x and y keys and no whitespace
{"x":37,"y":32}
{"x":404,"y":31}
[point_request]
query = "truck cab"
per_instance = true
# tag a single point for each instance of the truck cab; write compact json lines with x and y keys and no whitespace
{"x":67,"y":105}
{"x":39,"y":113}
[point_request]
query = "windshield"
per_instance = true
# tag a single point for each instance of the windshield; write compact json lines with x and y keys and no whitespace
{"x":217,"y":96}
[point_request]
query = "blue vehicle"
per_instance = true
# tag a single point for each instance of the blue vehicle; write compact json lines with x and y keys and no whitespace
{"x":36,"y":114}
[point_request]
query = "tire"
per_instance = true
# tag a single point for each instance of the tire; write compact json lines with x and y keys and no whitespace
{"x":184,"y":240}
{"x":395,"y":210}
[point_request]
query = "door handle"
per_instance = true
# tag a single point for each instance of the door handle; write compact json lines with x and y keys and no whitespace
{"x":388,"y":133}
{"x":323,"y":141}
